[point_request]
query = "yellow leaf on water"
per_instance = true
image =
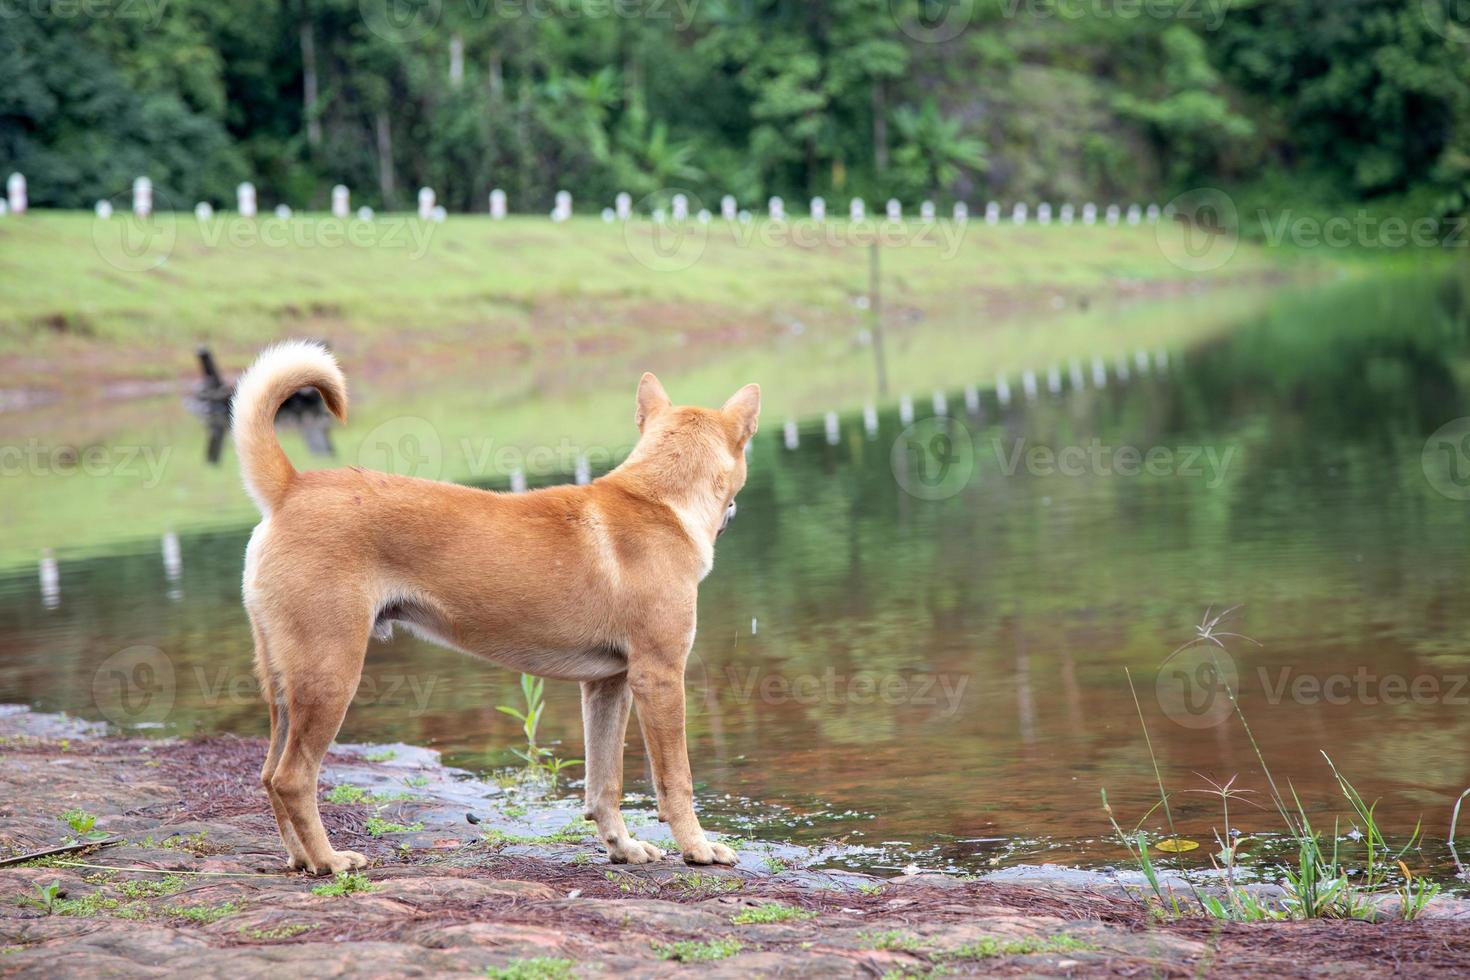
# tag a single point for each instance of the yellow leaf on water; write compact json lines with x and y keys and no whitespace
{"x":1176,"y":845}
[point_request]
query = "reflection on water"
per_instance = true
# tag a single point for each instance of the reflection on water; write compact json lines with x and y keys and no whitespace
{"x":918,"y":629}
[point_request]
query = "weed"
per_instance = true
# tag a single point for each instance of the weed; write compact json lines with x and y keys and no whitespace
{"x":894,"y":939}
{"x":991,"y":947}
{"x":539,"y":759}
{"x":416,"y":782}
{"x":46,"y":897}
{"x":695,"y":951}
{"x":348,"y":794}
{"x":203,"y":914}
{"x":377,"y":827}
{"x":695,"y":883}
{"x":151,"y":889}
{"x":771,"y":912}
{"x":870,"y":890}
{"x":537,"y":968}
{"x":288,"y":931}
{"x":381,"y":755}
{"x":346,"y":883}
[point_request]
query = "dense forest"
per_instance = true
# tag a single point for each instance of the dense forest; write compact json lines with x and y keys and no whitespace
{"x":1316,"y":103}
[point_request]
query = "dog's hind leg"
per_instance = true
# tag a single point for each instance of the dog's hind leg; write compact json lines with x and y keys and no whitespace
{"x":605,"y":705}
{"x":318,"y":678}
{"x":280,"y":725}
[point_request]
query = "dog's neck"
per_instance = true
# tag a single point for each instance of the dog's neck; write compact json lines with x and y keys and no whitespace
{"x":698,"y":508}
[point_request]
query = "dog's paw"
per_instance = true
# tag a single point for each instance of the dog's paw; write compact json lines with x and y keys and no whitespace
{"x":707,"y":852}
{"x":295,"y":863}
{"x":337,"y":862}
{"x":633,"y":851}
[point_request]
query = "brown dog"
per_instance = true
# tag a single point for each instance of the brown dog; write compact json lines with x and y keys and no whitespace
{"x":592,"y":583}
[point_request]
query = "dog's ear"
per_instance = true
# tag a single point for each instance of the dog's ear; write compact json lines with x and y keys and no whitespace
{"x":652,"y":399}
{"x":744,"y":407}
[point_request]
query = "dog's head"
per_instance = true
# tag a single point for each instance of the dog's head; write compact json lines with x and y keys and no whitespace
{"x":701,"y":449}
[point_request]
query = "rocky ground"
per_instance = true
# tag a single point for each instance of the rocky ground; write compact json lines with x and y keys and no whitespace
{"x":194,"y":884}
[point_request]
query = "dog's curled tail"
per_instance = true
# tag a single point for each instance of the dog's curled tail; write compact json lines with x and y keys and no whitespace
{"x":274,"y":376}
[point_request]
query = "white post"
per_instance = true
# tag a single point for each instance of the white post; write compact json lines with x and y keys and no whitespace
{"x":680,"y":207}
{"x":608,"y":216}
{"x":727,"y":208}
{"x":563,"y":208}
{"x":283,"y":211}
{"x":1043,"y":213}
{"x":1152,"y":214}
{"x":364,"y":213}
{"x":703,"y":216}
{"x":426,"y":203}
{"x":203,"y":211}
{"x":992,"y":213}
{"x":142,"y":197}
{"x":961,"y":212}
{"x":1066,"y":214}
{"x":341,"y":201}
{"x":819,"y":209}
{"x":926,"y":211}
{"x":497,"y":204}
{"x":15,"y":193}
{"x":894,"y":209}
{"x":857,"y":210}
{"x":245,"y":200}
{"x":776,"y":209}
{"x":1018,"y":214}
{"x":438,"y":214}
{"x":1135,"y":214}
{"x":623,"y":206}
{"x":103,"y":209}
{"x":1089,"y":213}
{"x":1112,"y":215}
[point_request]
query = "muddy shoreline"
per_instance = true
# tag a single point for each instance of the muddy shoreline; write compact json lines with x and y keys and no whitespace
{"x":196,"y":883}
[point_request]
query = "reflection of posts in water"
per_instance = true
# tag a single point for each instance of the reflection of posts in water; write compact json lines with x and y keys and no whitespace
{"x":173,"y":564}
{"x":875,"y":310}
{"x":50,"y":580}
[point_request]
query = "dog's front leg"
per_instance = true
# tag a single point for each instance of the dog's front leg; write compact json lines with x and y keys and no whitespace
{"x":657,"y":680}
{"x":605,"y":706}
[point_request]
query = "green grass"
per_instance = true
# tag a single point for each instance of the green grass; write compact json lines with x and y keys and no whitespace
{"x":698,"y":883}
{"x":697,"y":951}
{"x":346,"y":883}
{"x":573,"y":833}
{"x":536,"y":968}
{"x":891,"y":939}
{"x":150,"y":889}
{"x":991,"y":947}
{"x":287,"y":931}
{"x":377,"y":827}
{"x":772,"y":912}
{"x":203,"y":914}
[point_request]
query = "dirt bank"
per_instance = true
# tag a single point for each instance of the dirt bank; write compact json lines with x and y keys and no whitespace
{"x":195,"y":884}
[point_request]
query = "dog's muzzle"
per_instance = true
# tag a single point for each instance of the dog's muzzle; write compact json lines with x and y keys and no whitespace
{"x":729,"y":516}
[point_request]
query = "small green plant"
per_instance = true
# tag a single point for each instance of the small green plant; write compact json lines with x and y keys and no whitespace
{"x":151,"y":889}
{"x":991,"y":947}
{"x":416,"y":782}
{"x":346,"y":883}
{"x":771,"y":912}
{"x":870,"y":890}
{"x":775,"y":865}
{"x":377,"y":827}
{"x":82,"y":823}
{"x":288,"y":931}
{"x":695,"y":883}
{"x":204,"y":914}
{"x":348,"y":794}
{"x":382,"y":755}
{"x":894,"y":939}
{"x":696,"y":951}
{"x":46,"y":897}
{"x":538,"y":758}
{"x":537,"y":968}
